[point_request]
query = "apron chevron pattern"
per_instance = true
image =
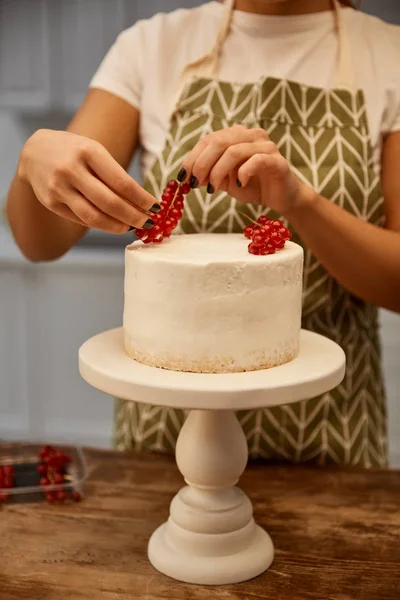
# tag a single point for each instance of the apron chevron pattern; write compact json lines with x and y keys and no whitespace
{"x":324,"y":135}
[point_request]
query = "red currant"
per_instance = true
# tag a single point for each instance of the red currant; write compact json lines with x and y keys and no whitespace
{"x":42,"y":469}
{"x":266,"y":229}
{"x":285,"y":233}
{"x":263,"y":220}
{"x":258,"y":239}
{"x":176,"y":213}
{"x":172,"y":185}
{"x":271,"y":249}
{"x":248,"y":231}
{"x":264,"y":250}
{"x":179,"y":204}
{"x":167,"y":196}
{"x":279,"y":243}
{"x":185,"y":188}
{"x":142,"y":234}
{"x":8,"y":483}
{"x":76,"y":497}
{"x":51,"y":497}
{"x":45,"y":481}
{"x":61,"y":496}
{"x":58,"y":478}
{"x":277,"y":224}
{"x":8,"y":471}
{"x":253,"y":249}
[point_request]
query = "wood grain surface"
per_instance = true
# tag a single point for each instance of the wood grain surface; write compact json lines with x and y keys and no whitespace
{"x":336,"y":534}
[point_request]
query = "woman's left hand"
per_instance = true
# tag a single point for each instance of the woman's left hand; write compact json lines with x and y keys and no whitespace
{"x":247,"y":165}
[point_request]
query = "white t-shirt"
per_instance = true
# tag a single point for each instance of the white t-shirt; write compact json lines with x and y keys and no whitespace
{"x":146,"y":61}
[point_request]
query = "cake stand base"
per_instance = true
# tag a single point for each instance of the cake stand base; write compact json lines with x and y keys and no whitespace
{"x":211,"y":537}
{"x":218,"y":570}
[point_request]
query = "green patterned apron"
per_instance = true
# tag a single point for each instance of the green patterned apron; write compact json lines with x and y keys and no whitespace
{"x":325,"y":137}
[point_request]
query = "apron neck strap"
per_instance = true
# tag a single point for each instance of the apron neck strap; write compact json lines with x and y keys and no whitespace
{"x":207,"y":65}
{"x":345,"y":77}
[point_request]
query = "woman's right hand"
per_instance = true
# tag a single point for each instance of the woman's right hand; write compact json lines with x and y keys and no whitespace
{"x":78,"y":179}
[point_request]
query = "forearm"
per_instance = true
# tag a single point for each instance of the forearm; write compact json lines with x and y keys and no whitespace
{"x":363,"y":258}
{"x":39,"y":233}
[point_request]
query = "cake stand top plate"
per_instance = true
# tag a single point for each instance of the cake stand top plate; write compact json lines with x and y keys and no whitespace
{"x":319,"y":367}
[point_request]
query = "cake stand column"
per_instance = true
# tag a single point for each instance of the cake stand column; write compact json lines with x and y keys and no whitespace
{"x":210,"y":537}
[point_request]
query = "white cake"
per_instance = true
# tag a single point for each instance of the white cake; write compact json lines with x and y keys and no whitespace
{"x":202,"y":303}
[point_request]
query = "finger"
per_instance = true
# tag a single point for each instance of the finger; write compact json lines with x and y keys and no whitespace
{"x":234,"y":157}
{"x":64,"y":211}
{"x":93,"y":217}
{"x":109,"y":202}
{"x":117,"y":179}
{"x":205,"y":154}
{"x":274,"y":164}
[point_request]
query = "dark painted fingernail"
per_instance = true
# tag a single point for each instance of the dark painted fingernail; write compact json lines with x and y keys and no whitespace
{"x":194,"y":182}
{"x":149,"y":224}
{"x":210,"y":189}
{"x":155,"y":208}
{"x":238,"y":183}
{"x":131,"y":228}
{"x":182,"y":175}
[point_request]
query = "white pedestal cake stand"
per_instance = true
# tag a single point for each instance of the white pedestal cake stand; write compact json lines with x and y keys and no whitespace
{"x":210,"y":537}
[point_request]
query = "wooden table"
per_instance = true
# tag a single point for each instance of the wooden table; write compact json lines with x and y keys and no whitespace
{"x":336,"y":534}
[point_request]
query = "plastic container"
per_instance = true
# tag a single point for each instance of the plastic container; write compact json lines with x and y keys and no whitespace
{"x":25,"y":460}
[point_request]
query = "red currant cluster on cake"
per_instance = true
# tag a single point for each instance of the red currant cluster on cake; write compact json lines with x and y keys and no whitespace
{"x":266,"y":236}
{"x":165,"y":221}
{"x":6,"y":480}
{"x":53,"y":470}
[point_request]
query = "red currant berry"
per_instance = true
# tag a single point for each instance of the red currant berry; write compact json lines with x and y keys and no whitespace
{"x":274,"y":237}
{"x":51,"y":497}
{"x":185,"y":188}
{"x":8,"y":483}
{"x":248,"y":231}
{"x":271,"y":248}
{"x":263,"y":220}
{"x":266,"y":230}
{"x":179,"y":204}
{"x":47,"y":459}
{"x":8,"y":471}
{"x":258,"y":239}
{"x":264,"y":250}
{"x":279,"y":243}
{"x":76,"y":497}
{"x":60,"y":457}
{"x":58,"y":478}
{"x":167,"y":197}
{"x":277,"y":224}
{"x":285,"y":233}
{"x":61,"y":496}
{"x":45,"y":481}
{"x":142,"y":234}
{"x":42,"y":469}
{"x":253,"y":249}
{"x":159,"y":238}
{"x":156,"y":231}
{"x":172,"y":185}
{"x":176,"y":213}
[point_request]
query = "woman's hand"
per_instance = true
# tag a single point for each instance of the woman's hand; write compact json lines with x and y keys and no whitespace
{"x":248,"y":166}
{"x":76,"y":178}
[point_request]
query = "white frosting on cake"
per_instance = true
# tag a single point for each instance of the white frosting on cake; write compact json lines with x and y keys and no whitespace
{"x":202,"y":303}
